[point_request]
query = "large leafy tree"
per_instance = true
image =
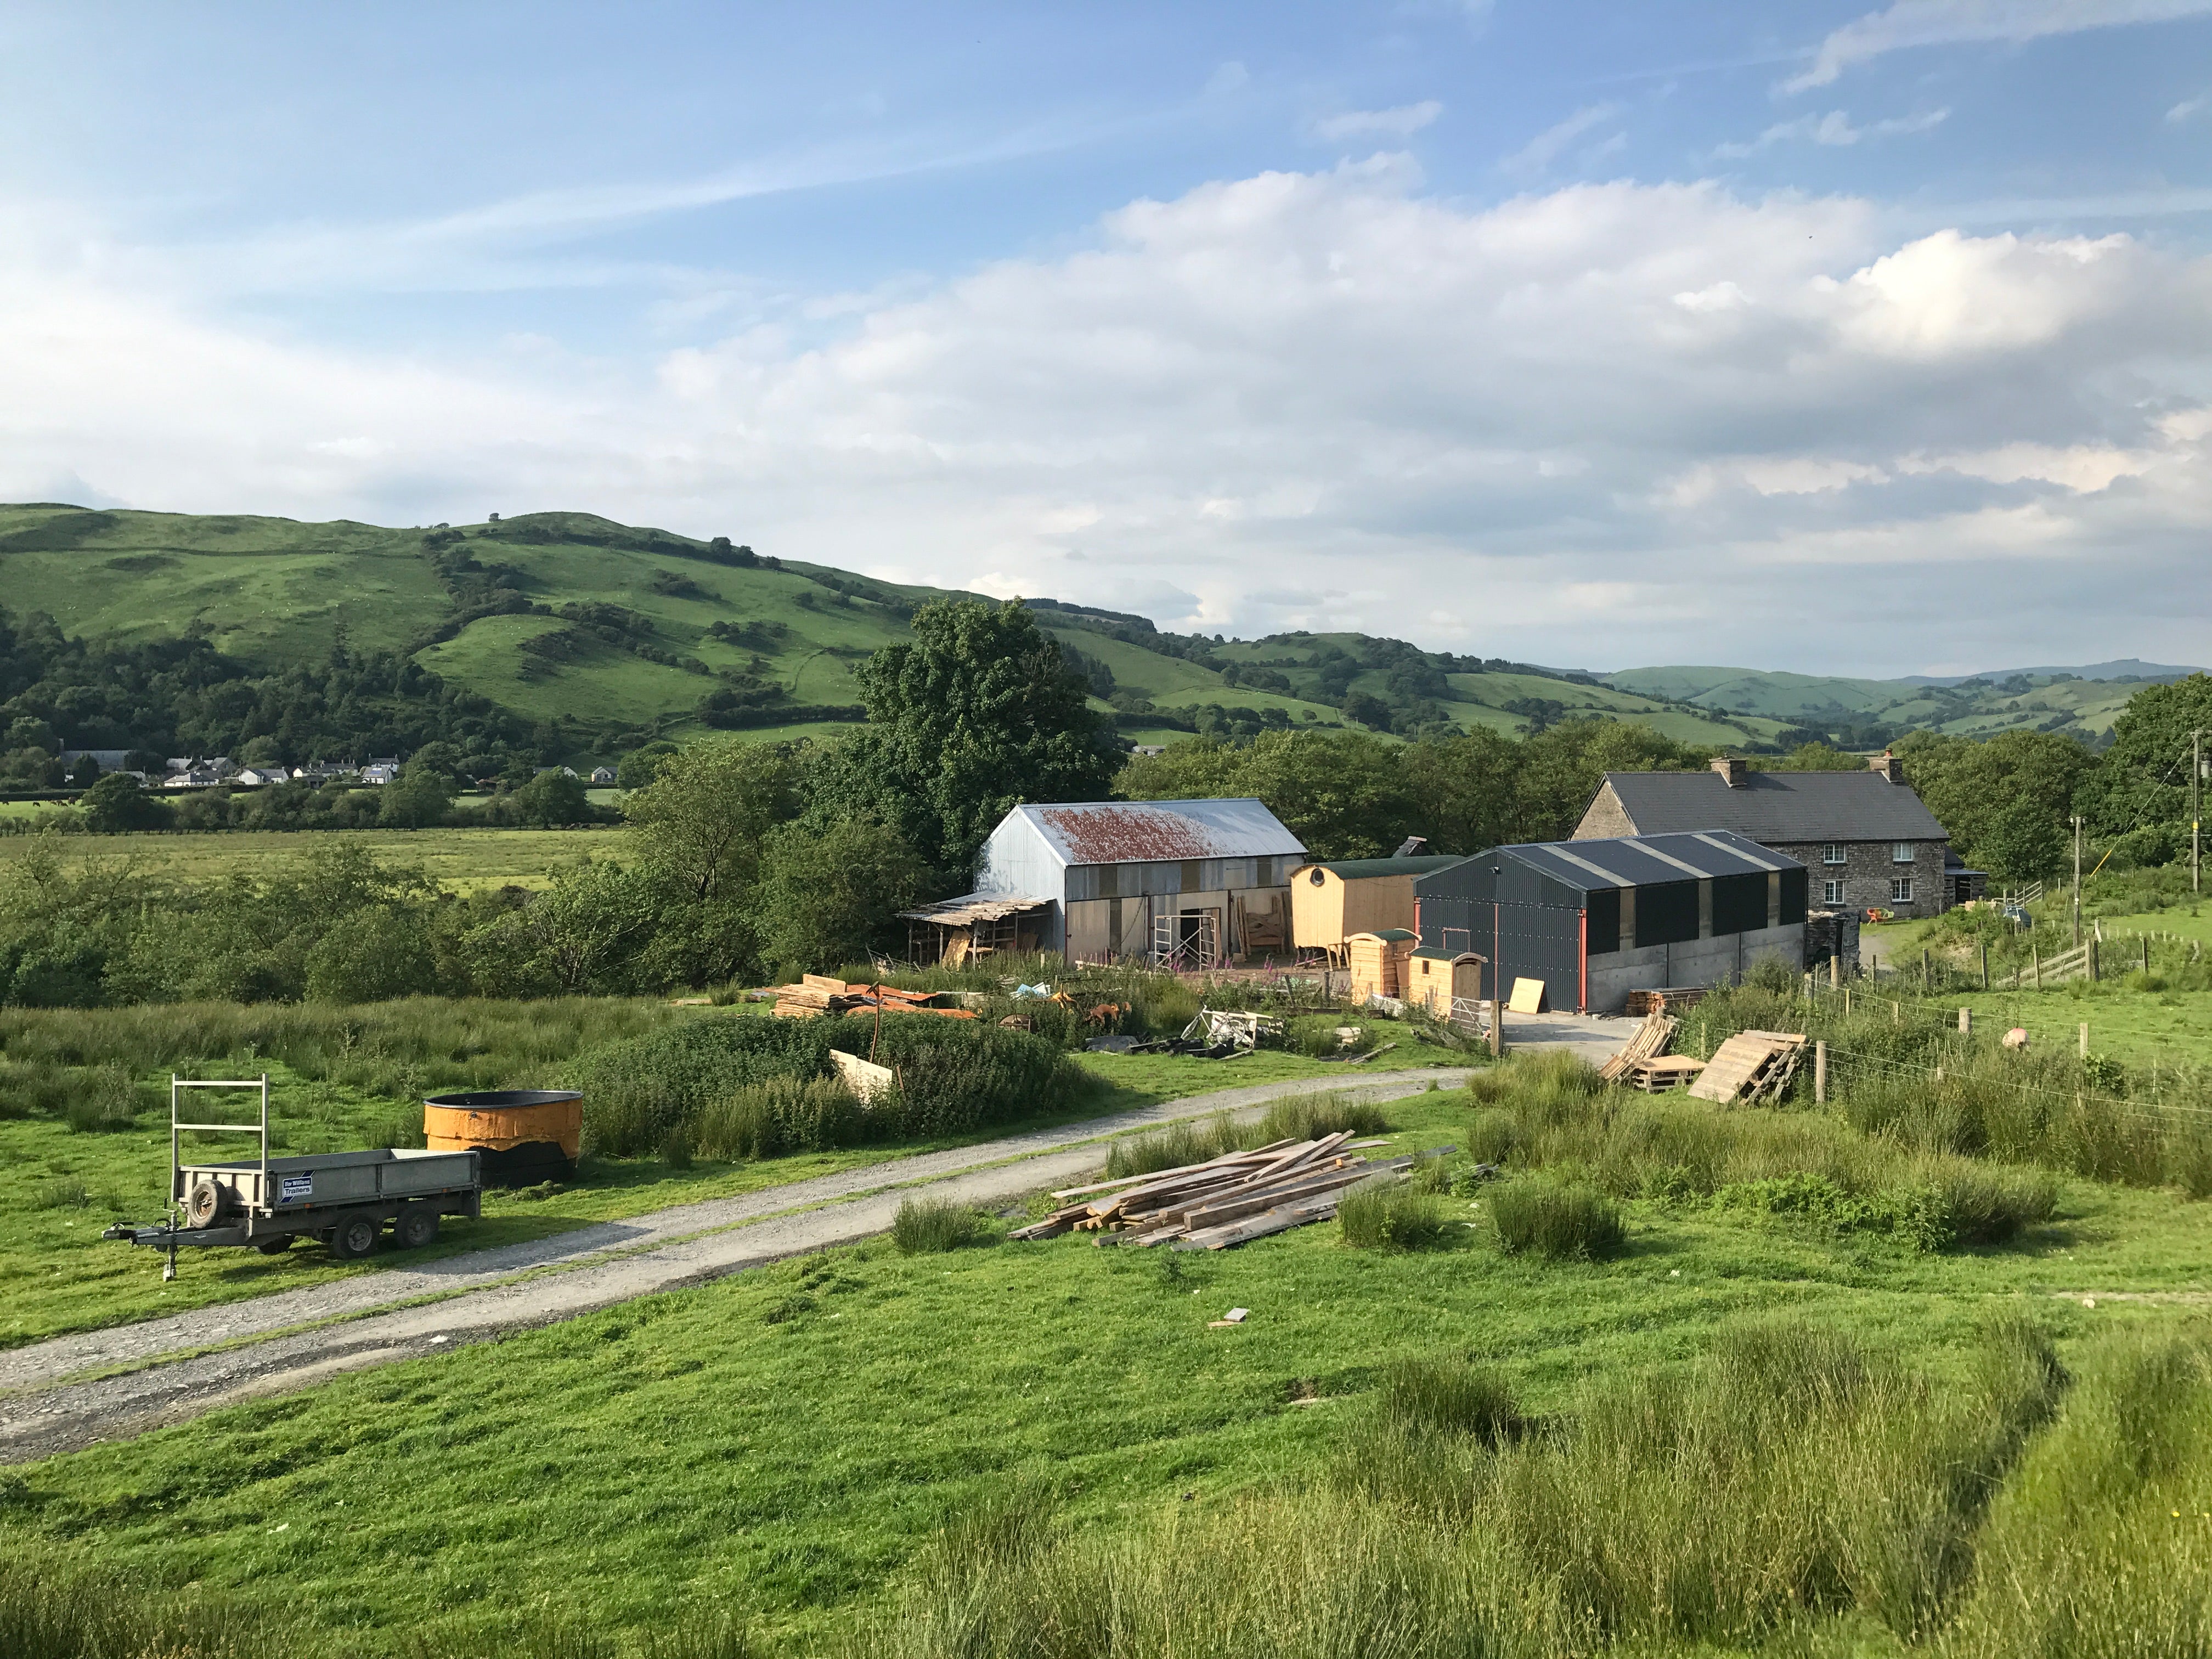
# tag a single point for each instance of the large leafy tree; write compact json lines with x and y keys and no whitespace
{"x":2142,"y":782}
{"x":1973,"y":788}
{"x":979,"y":712}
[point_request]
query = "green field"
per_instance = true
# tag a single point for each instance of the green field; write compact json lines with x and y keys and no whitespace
{"x":780,"y":1445}
{"x":460,"y":859}
{"x":59,"y":1188}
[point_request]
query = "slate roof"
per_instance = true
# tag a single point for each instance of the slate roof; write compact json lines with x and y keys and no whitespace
{"x":1647,"y":860}
{"x":1361,"y":869}
{"x":1777,"y":806}
{"x":1147,"y":831}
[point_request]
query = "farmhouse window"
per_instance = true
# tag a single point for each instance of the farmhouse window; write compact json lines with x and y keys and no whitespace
{"x":1832,"y":892}
{"x":1831,"y":852}
{"x":1900,"y":889}
{"x":1900,"y":852}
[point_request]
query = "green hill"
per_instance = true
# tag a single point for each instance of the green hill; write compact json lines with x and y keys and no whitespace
{"x":615,"y":632}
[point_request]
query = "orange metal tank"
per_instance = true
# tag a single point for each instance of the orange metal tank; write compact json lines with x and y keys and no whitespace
{"x":524,"y":1135}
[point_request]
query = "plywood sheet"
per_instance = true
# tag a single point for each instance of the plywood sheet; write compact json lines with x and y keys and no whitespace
{"x":1528,"y":997}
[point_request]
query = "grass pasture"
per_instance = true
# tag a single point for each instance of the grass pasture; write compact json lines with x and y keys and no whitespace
{"x":810,"y":1449}
{"x":462,"y":858}
{"x":356,"y":1077}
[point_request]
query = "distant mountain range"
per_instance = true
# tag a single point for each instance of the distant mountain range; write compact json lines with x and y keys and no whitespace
{"x":630,"y":632}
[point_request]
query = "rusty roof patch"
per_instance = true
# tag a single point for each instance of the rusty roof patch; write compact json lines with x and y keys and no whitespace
{"x":1126,"y":834}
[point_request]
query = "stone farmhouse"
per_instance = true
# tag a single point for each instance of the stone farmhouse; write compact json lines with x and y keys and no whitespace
{"x":1867,"y":841}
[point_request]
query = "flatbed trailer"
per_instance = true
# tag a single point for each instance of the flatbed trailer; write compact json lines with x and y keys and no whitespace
{"x":346,"y":1198}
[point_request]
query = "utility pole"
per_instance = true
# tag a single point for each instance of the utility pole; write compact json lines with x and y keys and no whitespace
{"x":2077,"y":881}
{"x":2196,"y":817}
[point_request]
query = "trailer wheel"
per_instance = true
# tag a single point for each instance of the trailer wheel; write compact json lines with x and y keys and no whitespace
{"x":417,"y":1225}
{"x":351,"y":1240}
{"x":276,"y":1246}
{"x":203,"y":1203}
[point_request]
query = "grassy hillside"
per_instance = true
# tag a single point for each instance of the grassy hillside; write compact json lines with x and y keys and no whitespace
{"x":627,"y":629}
{"x":2046,"y":700}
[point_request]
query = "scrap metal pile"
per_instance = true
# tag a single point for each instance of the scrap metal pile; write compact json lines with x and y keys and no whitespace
{"x":1224,"y":1201}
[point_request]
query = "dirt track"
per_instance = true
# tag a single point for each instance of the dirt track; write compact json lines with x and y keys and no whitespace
{"x":487,"y":1294}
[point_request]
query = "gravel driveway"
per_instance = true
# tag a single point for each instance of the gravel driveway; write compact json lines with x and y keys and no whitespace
{"x":361,"y":1321}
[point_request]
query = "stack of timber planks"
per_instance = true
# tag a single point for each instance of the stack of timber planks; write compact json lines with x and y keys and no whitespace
{"x":1751,"y":1067}
{"x":817,"y":994}
{"x":1226,"y":1200}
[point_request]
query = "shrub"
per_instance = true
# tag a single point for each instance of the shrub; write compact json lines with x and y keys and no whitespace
{"x":637,"y":1090}
{"x":782,"y":1114}
{"x":1181,"y":1143}
{"x":959,"y":1075}
{"x":1375,"y":1216}
{"x":105,"y":1101}
{"x":66,"y":1192}
{"x":1561,"y":1221}
{"x":926,"y":1226}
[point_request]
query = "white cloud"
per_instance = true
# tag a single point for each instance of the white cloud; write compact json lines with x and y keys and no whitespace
{"x":1301,"y":399}
{"x":2187,"y":109}
{"x":1402,"y":122}
{"x":1944,"y":22}
{"x":1834,"y":129}
{"x":1540,"y":152}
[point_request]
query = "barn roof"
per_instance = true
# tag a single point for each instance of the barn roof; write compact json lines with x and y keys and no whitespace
{"x":1363,"y":869}
{"x":1648,"y":860}
{"x":1151,"y":832}
{"x":1776,"y":806}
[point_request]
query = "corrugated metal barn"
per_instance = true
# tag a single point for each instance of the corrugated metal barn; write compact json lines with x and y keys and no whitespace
{"x":1189,"y":882}
{"x":1595,"y":920}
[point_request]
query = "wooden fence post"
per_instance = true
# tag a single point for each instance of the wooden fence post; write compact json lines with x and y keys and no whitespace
{"x":2085,"y":1039}
{"x":1986,"y":964}
{"x":1820,"y":1072}
{"x":1965,"y":1022}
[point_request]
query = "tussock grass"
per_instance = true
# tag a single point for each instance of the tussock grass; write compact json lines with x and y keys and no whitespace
{"x":2102,"y":1544}
{"x":926,"y":1226}
{"x":1549,"y":1112}
{"x":1794,"y":1477}
{"x":2047,"y":1107}
{"x":1561,"y":1221}
{"x":1381,"y":1214}
{"x":1454,"y":1395}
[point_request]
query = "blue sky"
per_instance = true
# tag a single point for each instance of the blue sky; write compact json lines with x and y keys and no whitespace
{"x":1589,"y":334}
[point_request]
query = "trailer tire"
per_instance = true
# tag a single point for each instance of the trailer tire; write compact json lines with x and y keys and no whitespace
{"x":276,"y":1246}
{"x":353,"y":1238}
{"x":414,"y":1226}
{"x":203,"y":1203}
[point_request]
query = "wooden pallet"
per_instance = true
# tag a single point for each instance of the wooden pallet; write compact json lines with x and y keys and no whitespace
{"x":1664,"y":1075}
{"x":1650,"y":1042}
{"x":1751,"y":1067}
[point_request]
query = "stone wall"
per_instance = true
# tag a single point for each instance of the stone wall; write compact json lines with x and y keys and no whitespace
{"x":1867,"y":871}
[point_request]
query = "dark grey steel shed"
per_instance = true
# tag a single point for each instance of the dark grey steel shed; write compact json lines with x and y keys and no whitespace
{"x":1595,"y":920}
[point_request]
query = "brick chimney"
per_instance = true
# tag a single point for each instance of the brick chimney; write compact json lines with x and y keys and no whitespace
{"x":1734,"y":769}
{"x":1888,"y":765}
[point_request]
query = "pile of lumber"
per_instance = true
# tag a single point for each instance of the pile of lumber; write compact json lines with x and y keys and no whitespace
{"x":1680,"y":998}
{"x":1751,"y":1067}
{"x":1650,"y":1042}
{"x":1224,"y":1201}
{"x":817,"y":994}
